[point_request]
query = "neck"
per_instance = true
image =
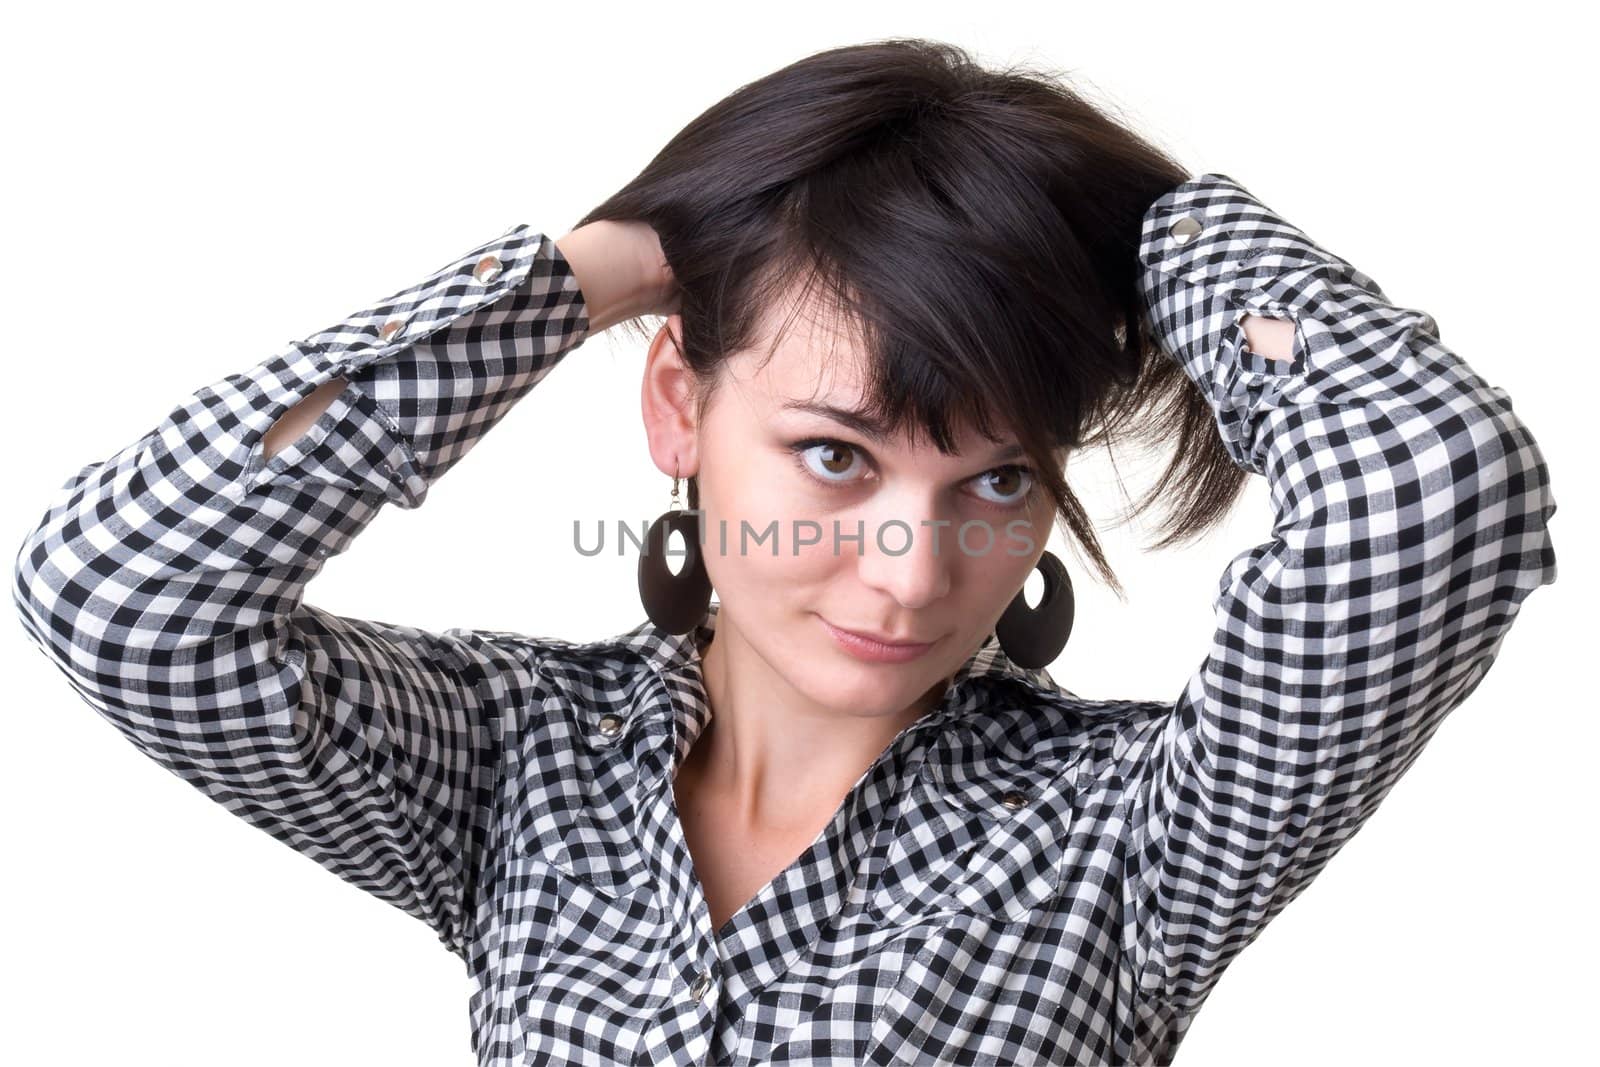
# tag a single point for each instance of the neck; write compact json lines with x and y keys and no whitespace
{"x":773,"y":756}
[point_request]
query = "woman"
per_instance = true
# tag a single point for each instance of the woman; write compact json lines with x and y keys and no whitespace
{"x":899,"y":290}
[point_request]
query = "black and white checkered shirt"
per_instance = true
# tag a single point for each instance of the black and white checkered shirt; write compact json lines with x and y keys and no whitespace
{"x":1021,"y":877}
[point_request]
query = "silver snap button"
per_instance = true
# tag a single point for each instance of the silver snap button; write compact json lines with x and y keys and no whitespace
{"x":702,"y":985}
{"x":487,"y":270}
{"x":610,"y":725}
{"x":390,"y":328}
{"x":1013,"y":800}
{"x":1184,"y":229}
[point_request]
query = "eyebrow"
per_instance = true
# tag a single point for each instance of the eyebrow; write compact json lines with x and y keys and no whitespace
{"x":873,"y":430}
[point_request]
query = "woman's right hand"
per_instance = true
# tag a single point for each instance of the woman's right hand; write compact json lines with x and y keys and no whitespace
{"x":621,"y":271}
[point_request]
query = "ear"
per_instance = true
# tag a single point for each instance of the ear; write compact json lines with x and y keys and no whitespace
{"x":667,"y":401}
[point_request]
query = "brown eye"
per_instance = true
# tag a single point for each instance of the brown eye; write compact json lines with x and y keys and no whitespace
{"x":1012,"y":484}
{"x":835,"y":460}
{"x":829,"y":461}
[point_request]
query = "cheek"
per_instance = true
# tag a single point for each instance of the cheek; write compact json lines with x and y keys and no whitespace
{"x":995,"y":575}
{"x":752,"y":522}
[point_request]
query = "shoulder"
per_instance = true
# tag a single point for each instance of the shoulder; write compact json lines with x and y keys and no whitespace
{"x":554,"y":685}
{"x":1048,"y":725}
{"x":557,"y":658}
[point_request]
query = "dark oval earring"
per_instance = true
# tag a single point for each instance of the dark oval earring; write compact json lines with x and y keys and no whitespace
{"x":1033,"y":637}
{"x":676,"y":603}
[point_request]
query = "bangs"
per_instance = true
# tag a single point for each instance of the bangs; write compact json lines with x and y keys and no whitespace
{"x":932,"y":308}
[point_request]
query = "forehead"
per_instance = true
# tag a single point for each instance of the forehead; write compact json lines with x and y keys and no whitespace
{"x":809,"y":356}
{"x":805,"y":349}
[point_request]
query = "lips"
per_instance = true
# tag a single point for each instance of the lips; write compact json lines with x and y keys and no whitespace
{"x":871,"y":649}
{"x":892,"y":642}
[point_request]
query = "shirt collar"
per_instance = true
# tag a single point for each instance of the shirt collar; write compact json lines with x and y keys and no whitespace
{"x":652,"y":730}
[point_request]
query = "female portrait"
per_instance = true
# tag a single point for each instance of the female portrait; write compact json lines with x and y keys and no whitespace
{"x":807,"y":454}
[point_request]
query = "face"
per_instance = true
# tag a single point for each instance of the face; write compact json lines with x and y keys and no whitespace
{"x":945,"y":540}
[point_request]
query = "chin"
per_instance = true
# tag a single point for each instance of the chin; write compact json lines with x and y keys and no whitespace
{"x":838,"y":680}
{"x":876,"y":705}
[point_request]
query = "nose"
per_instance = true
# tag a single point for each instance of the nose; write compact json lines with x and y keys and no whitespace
{"x":909,"y":559}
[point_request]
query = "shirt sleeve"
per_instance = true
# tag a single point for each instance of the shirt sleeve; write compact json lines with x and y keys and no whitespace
{"x":1411,"y":508}
{"x":167,"y":582}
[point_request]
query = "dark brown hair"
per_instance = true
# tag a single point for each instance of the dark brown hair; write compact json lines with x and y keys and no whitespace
{"x":978,"y":231}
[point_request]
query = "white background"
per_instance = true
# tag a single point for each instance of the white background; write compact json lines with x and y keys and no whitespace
{"x":192,"y":188}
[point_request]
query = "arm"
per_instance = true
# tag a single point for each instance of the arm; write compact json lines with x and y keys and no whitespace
{"x":1272,"y":338}
{"x":167,"y":582}
{"x":1411,"y":523}
{"x":617,"y":266}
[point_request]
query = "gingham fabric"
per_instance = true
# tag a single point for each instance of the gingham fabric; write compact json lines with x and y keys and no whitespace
{"x":1021,"y":877}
